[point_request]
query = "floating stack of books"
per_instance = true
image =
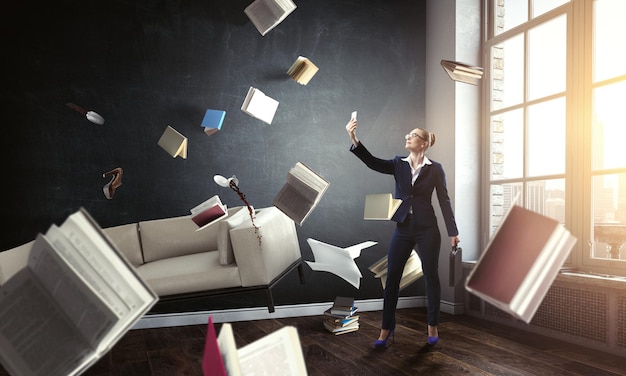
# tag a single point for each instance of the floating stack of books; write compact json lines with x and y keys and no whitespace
{"x":341,"y":318}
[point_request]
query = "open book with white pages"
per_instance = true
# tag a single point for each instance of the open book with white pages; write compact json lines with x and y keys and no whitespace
{"x":77,"y":296}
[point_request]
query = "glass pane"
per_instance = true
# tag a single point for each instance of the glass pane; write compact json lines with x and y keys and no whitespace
{"x":507,"y":62}
{"x":546,"y":138}
{"x":609,"y":29}
{"x":609,"y":216}
{"x":503,"y":196}
{"x":547,"y":58}
{"x":509,"y":13}
{"x":609,"y":127}
{"x":540,"y":7}
{"x":507,"y":145}
{"x":547,"y":197}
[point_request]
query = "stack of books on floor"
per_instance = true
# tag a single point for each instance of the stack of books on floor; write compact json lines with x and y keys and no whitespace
{"x":341,"y":318}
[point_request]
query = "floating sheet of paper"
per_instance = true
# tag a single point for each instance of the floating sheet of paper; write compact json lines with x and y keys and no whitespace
{"x":337,"y":260}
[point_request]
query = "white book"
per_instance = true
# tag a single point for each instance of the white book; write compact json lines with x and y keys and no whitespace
{"x":302,"y":70}
{"x":208,"y":212}
{"x":173,"y":142}
{"x":412,"y":270}
{"x":278,"y":353}
{"x":520,"y":262}
{"x":301,"y":192}
{"x":337,"y":260}
{"x":267,"y":14}
{"x":380,"y":206}
{"x":76,"y":298}
{"x":259,"y":105}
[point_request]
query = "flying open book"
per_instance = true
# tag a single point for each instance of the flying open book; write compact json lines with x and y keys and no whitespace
{"x":173,"y":142}
{"x":462,"y":72}
{"x":520,"y":262}
{"x":77,"y":297}
{"x":412,"y":270}
{"x":208,"y":212}
{"x":380,"y":206}
{"x":302,"y":70}
{"x":267,"y":14}
{"x":339,"y":261}
{"x":301,"y":192}
{"x":259,"y":105}
{"x":277,"y":353}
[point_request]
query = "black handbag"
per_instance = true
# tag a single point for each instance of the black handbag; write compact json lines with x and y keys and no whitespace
{"x":456,"y":265}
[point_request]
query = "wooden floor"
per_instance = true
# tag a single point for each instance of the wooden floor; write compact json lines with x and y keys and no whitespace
{"x":467,"y":346}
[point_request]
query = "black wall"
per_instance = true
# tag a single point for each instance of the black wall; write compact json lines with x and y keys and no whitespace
{"x":144,"y":65}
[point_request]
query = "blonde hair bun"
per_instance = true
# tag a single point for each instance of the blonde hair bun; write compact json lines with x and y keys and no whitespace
{"x":432,"y":138}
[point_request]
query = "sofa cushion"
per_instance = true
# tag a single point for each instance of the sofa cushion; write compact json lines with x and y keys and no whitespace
{"x":189,"y":273}
{"x":236,"y":216}
{"x":14,"y":259}
{"x":126,"y":239}
{"x":177,"y":236}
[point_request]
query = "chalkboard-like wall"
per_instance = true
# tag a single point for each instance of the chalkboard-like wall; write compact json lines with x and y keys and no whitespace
{"x":144,"y":65}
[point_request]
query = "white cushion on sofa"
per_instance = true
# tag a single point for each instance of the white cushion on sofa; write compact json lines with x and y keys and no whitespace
{"x":177,"y":236}
{"x":126,"y":239}
{"x":236,"y":216}
{"x":202,"y":272}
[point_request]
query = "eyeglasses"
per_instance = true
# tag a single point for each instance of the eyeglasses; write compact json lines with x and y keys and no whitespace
{"x":413,"y":135}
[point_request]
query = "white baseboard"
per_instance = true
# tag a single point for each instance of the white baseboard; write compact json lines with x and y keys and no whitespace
{"x":261,"y":313}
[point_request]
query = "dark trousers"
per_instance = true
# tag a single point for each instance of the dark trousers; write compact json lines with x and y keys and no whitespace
{"x":404,"y":239}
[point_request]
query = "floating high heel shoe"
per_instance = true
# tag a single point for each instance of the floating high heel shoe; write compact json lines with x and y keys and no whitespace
{"x":384,"y":343}
{"x":116,"y":181}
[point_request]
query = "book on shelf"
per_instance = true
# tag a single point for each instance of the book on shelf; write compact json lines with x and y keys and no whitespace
{"x":173,"y":142}
{"x":380,"y":206}
{"x":267,"y":14}
{"x":462,"y":72}
{"x":72,"y":302}
{"x":212,"y":121}
{"x":301,"y":192}
{"x":302,"y":70}
{"x":412,"y":270}
{"x":259,"y":106}
{"x":208,"y":212}
{"x":338,"y":261}
{"x":277,"y":353}
{"x":520,"y":262}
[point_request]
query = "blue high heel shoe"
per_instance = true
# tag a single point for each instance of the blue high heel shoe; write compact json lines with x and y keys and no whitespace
{"x":433,"y":340}
{"x":384,"y":343}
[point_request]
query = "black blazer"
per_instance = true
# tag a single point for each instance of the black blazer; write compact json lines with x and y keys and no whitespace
{"x":418,"y":195}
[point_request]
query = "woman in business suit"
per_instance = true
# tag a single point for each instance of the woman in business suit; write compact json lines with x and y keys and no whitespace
{"x":416,"y":177}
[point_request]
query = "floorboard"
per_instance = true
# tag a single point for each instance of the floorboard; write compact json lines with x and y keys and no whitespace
{"x":467,"y":346}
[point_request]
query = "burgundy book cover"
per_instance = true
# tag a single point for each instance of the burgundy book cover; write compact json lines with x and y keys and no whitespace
{"x":207,"y":215}
{"x":212,"y":363}
{"x":513,"y":250}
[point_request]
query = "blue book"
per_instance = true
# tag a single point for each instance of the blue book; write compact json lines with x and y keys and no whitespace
{"x":212,"y":121}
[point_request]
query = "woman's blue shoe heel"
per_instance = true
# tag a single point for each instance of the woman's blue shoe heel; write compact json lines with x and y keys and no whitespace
{"x":433,"y":340}
{"x":384,"y":343}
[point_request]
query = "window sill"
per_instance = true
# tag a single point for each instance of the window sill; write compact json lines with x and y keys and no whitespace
{"x":580,"y":277}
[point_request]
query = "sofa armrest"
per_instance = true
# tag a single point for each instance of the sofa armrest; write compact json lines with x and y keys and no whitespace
{"x":258,"y":263}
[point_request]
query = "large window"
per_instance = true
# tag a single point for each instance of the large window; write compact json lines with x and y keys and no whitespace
{"x":556,"y":83}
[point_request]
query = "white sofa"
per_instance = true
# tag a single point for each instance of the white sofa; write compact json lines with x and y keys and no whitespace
{"x":179,"y":262}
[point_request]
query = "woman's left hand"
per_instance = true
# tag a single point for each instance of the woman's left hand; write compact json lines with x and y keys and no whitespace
{"x":454,"y":240}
